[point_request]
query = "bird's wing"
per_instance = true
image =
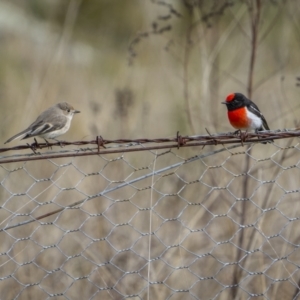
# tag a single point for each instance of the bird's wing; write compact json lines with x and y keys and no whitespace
{"x":42,"y":127}
{"x":38,"y":129}
{"x":255,"y":110}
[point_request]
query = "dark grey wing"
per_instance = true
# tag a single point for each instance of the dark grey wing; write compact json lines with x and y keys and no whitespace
{"x":255,"y":110}
{"x":57,"y":123}
{"x":42,"y":127}
{"x":37,"y":129}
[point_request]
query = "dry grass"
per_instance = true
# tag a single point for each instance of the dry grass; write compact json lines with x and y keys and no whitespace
{"x":189,"y":231}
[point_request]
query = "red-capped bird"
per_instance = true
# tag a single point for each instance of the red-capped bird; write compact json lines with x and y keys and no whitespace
{"x":244,"y":114}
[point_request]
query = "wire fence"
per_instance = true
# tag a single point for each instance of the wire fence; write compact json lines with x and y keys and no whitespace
{"x":205,"y":217}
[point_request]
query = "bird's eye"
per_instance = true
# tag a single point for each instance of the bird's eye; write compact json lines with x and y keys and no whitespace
{"x":68,"y":110}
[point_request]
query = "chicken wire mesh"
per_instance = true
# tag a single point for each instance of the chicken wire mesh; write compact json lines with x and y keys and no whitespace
{"x":188,"y":223}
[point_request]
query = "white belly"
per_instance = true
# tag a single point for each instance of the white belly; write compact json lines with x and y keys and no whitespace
{"x":256,"y":121}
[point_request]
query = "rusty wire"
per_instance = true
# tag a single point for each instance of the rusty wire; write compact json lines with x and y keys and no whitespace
{"x":132,"y":145}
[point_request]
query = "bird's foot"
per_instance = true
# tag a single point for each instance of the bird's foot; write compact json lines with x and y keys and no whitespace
{"x":60,"y":142}
{"x":265,"y":142}
{"x":237,"y":132}
{"x":47,"y":144}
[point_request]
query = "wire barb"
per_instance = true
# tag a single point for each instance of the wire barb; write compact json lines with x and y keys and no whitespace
{"x":243,"y":137}
{"x":180,"y":140}
{"x":32,"y":147}
{"x":100,"y":142}
{"x":216,"y":142}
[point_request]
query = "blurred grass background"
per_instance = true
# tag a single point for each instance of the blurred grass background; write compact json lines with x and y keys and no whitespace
{"x":148,"y":69}
{"x":78,"y":51}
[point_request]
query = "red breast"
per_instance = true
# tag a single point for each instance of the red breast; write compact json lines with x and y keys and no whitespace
{"x":238,"y":118}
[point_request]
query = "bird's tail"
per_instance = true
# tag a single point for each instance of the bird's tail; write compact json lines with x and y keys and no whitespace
{"x":21,"y":135}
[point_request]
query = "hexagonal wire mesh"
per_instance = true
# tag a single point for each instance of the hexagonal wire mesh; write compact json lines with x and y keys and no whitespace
{"x":154,"y":225}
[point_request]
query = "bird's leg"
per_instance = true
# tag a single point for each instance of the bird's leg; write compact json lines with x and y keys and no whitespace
{"x":60,"y":142}
{"x":237,"y":132}
{"x":47,"y":143}
{"x":257,"y":132}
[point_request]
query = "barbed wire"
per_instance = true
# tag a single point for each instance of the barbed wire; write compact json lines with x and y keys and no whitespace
{"x":131,"y":145}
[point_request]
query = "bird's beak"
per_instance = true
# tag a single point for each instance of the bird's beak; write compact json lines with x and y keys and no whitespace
{"x":224,"y":103}
{"x":76,"y":111}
